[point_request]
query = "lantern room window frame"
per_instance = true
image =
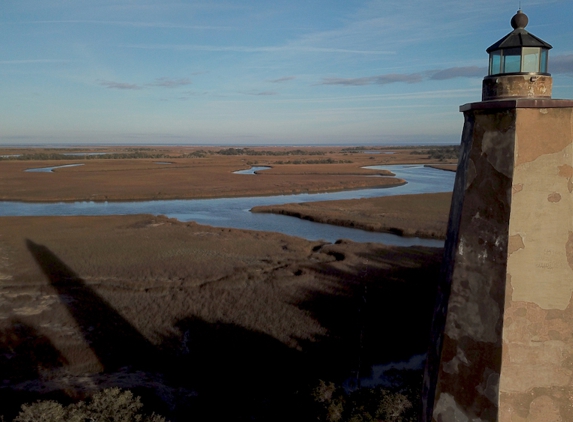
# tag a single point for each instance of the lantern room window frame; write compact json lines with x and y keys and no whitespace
{"x":518,"y":61}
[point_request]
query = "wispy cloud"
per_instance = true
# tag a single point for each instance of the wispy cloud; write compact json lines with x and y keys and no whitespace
{"x":195,"y":93}
{"x":375,"y":80}
{"x":33,"y":61}
{"x":410,"y":78}
{"x":561,"y":64}
{"x":118,"y":85}
{"x":261,"y":93}
{"x":249,"y":49}
{"x":170,"y":83}
{"x":158,"y":82}
{"x":283,"y":79}
{"x":133,"y":24}
{"x":459,"y":72}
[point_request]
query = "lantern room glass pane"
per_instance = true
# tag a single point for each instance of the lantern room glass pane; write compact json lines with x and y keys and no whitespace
{"x":530,"y":59}
{"x":512,"y":60}
{"x":543,"y":65}
{"x":495,"y":62}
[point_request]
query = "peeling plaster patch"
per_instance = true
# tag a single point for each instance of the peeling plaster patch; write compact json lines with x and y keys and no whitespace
{"x":482,"y":256}
{"x":446,"y":409}
{"x":515,"y":243}
{"x":472,"y":311}
{"x":541,"y":135}
{"x":554,"y":197}
{"x":451,"y":367}
{"x":541,"y":272}
{"x":566,"y":171}
{"x":544,"y":409}
{"x":569,"y":250}
{"x":461,"y":248}
{"x":543,"y":111}
{"x":471,"y":173}
{"x":508,"y":294}
{"x":491,"y":388}
{"x":497,"y":153}
{"x":517,"y":188}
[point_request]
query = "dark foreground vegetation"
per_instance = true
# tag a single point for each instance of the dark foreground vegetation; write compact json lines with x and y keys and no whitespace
{"x":208,"y":324}
{"x":324,"y":402}
{"x":110,"y":405}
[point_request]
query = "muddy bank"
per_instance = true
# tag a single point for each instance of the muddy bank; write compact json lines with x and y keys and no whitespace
{"x":447,"y":167}
{"x":189,"y":316}
{"x":423,"y":215}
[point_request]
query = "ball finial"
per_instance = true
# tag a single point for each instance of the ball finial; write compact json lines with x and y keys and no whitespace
{"x":519,"y":20}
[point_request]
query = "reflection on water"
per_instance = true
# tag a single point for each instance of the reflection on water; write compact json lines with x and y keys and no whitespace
{"x":252,"y":170}
{"x":234,"y":212}
{"x":381,"y":374}
{"x":50,"y":169}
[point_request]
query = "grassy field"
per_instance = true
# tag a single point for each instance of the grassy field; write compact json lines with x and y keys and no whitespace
{"x":189,"y":315}
{"x":423,"y":215}
{"x":192,"y":173}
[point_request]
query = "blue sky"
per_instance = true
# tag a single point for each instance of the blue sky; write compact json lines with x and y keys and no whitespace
{"x":255,"y":72}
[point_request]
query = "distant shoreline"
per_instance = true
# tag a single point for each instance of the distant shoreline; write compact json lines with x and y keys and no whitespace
{"x":232,"y":145}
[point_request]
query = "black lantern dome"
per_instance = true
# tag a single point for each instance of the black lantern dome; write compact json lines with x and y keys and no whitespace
{"x":519,"y":52}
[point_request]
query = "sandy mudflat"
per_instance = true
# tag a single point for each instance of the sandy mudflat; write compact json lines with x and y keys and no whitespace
{"x":424,"y":215}
{"x":187,"y":314}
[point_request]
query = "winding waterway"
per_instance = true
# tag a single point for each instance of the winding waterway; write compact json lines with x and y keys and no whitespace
{"x":234,"y":212}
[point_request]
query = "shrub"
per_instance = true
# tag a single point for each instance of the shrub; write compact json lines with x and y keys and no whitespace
{"x":110,"y":405}
{"x":332,"y":403}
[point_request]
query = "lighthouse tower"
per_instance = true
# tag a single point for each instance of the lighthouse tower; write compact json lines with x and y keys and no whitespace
{"x":503,"y":326}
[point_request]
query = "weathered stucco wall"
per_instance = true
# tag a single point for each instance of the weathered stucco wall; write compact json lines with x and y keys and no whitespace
{"x":468,"y":377}
{"x":516,"y":86}
{"x":505,"y":312}
{"x":537,"y":367}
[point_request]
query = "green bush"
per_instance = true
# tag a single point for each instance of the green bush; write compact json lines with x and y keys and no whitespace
{"x":111,"y":405}
{"x":332,"y":403}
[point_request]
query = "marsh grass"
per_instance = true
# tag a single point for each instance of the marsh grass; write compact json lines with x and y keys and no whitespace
{"x":189,"y":316}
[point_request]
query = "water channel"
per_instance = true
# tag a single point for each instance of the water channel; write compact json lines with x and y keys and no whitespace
{"x":235,"y":212}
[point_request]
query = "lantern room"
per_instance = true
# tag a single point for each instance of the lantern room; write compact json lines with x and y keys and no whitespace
{"x":519,"y":51}
{"x":518,"y":64}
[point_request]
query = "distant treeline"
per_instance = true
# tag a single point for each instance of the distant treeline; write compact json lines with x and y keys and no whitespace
{"x":248,"y":151}
{"x":440,"y":153}
{"x":132,"y":153}
{"x":354,"y":150}
{"x":63,"y":156}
